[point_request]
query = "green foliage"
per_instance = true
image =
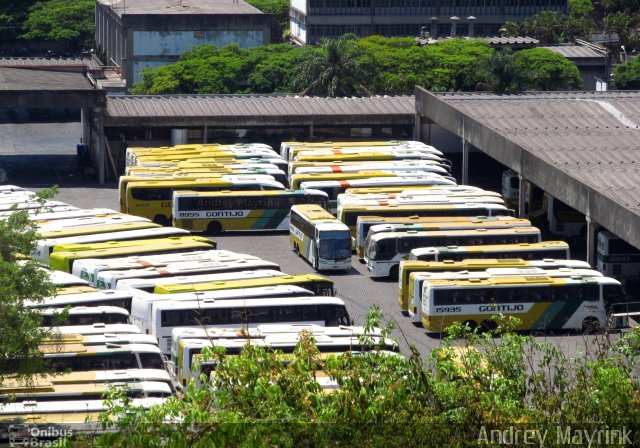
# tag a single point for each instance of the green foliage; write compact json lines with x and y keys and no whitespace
{"x":543,"y":69}
{"x":60,"y":20}
{"x":279,"y":9}
{"x":473,"y":382}
{"x":20,"y":280}
{"x":627,"y":75}
{"x":332,"y":69}
{"x":547,"y":26}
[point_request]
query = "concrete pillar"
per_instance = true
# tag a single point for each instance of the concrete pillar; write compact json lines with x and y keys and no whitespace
{"x":465,"y":162}
{"x":311,"y":132}
{"x":416,"y":127}
{"x":97,"y":144}
{"x":591,"y":227}
{"x":205,"y":132}
{"x":522,"y":196}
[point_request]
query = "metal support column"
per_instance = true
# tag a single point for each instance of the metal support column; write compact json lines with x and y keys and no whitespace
{"x":591,"y":227}
{"x":311,"y":132}
{"x":522,"y":196}
{"x":416,"y":127}
{"x":465,"y":162}
{"x":205,"y":131}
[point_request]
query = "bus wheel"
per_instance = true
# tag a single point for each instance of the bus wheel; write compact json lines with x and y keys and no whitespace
{"x":488,"y":325}
{"x":214,"y":228}
{"x":590,"y":325}
{"x":393,"y":272}
{"x":470,"y":323}
{"x":162,"y":220}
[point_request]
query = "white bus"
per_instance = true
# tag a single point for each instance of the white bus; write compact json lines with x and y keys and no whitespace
{"x":526,"y":251}
{"x":99,"y":338}
{"x":617,"y":258}
{"x":385,"y":250}
{"x":320,"y":238}
{"x":89,"y":268}
{"x":416,"y":280}
{"x":141,"y":306}
{"x":64,"y":279}
{"x":190,"y":364}
{"x":335,"y":187}
{"x":110,"y":279}
{"x":244,"y":313}
{"x":147,"y":285}
{"x":95,"y":329}
{"x":44,"y":247}
{"x":289,"y":150}
{"x":75,"y":226}
{"x":395,"y":165}
{"x":120,"y":299}
{"x":83,"y":315}
{"x":540,"y":302}
{"x":74,"y":213}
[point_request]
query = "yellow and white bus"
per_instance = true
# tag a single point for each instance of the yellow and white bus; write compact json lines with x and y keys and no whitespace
{"x":145,"y":158}
{"x":416,"y":280}
{"x":172,"y":172}
{"x":71,"y":214}
{"x":390,"y":192}
{"x":217,"y":211}
{"x":110,"y":279}
{"x":317,"y":284}
{"x":297,"y":179}
{"x":429,"y":198}
{"x":80,"y":226}
{"x":64,"y":279}
{"x":349,"y":213}
{"x":416,"y":149}
{"x":153,"y":199}
{"x":527,"y":251}
{"x":407,"y":267}
{"x":333,"y":188}
{"x":398,"y":223}
{"x":63,"y":260}
{"x":44,"y":247}
{"x":94,"y":329}
{"x":385,"y":250}
{"x":243,"y":313}
{"x":321,"y":239}
{"x":540,"y":302}
{"x":289,"y":150}
{"x":132,"y":152}
{"x":392,"y":165}
{"x":90,"y":268}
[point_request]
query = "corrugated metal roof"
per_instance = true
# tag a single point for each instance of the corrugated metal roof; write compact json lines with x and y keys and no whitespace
{"x":576,"y":51}
{"x":49,"y":62}
{"x":254,"y":105}
{"x":495,"y":40}
{"x":592,"y":136}
{"x":52,"y":80}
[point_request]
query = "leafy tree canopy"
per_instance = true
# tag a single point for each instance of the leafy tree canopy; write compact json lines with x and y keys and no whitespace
{"x":543,"y":69}
{"x":21,"y":280}
{"x":60,"y":20}
{"x":627,"y":75}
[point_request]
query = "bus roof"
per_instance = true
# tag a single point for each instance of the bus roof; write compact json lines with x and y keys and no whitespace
{"x":96,"y":328}
{"x":130,"y":243}
{"x":492,"y":247}
{"x":235,"y":284}
{"x":436,"y":233}
{"x":485,"y":263}
{"x":97,"y":228}
{"x":532,"y":280}
{"x":313,"y":212}
{"x":230,"y":193}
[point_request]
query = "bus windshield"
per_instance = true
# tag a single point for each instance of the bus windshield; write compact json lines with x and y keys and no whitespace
{"x":335,"y":245}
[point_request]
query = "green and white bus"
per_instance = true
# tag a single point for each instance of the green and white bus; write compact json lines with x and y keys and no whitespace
{"x":320,"y":238}
{"x":217,"y":211}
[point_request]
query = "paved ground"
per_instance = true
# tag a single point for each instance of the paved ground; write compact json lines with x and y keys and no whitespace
{"x":42,"y":154}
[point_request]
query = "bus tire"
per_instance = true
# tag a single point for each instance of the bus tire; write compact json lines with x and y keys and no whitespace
{"x":488,"y":325}
{"x":393,"y":272}
{"x":471,"y":324}
{"x":214,"y":228}
{"x":162,"y":220}
{"x":590,"y":325}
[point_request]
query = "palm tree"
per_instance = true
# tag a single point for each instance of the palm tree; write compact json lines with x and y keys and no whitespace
{"x":332,"y":69}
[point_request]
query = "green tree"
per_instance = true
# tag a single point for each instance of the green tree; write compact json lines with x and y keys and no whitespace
{"x":279,"y":9}
{"x":61,"y":20}
{"x":579,"y":24}
{"x":624,"y":26}
{"x":627,"y":75}
{"x":21,"y":280}
{"x":501,"y":71}
{"x":332,"y":69}
{"x":543,"y":69}
{"x":547,"y":26}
